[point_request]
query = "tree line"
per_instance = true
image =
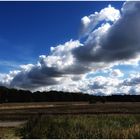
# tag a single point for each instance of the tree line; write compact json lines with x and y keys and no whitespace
{"x":14,"y":95}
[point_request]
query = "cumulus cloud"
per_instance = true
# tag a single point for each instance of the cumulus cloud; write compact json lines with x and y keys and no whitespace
{"x":132,"y":81}
{"x":5,"y":79}
{"x":111,"y":38}
{"x":49,"y":70}
{"x":90,"y":22}
{"x":117,"y":42}
{"x":104,"y":85}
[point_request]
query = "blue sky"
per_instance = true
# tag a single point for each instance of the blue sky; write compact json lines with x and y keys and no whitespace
{"x":91,"y":47}
{"x":29,"y":29}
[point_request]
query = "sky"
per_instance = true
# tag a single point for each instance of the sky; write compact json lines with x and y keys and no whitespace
{"x":90,"y":47}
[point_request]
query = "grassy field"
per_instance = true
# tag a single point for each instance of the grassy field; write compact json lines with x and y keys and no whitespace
{"x":70,"y":108}
{"x":79,"y":127}
{"x":23,"y":111}
{"x":70,"y":120}
{"x":76,"y":127}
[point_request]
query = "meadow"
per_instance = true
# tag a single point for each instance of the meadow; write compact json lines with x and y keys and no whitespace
{"x":70,"y":120}
{"x":83,"y":127}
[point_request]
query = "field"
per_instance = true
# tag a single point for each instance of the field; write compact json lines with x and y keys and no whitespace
{"x":70,"y":120}
{"x":83,"y":127}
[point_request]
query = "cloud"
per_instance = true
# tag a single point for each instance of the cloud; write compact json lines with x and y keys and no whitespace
{"x":111,"y":38}
{"x":118,"y":41}
{"x":108,"y":85}
{"x":5,"y":79}
{"x":116,"y":73}
{"x":132,"y":81}
{"x":27,"y":67}
{"x":90,"y":22}
{"x":50,"y":69}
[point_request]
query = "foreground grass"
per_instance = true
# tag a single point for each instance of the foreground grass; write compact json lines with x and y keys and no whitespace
{"x":87,"y":127}
{"x":9,"y":133}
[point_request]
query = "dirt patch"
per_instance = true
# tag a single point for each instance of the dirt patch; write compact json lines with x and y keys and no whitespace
{"x":11,"y":123}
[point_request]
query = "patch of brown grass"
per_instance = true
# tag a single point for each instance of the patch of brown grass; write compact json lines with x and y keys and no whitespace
{"x":9,"y":133}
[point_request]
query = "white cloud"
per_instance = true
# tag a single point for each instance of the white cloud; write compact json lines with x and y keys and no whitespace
{"x":5,"y":79}
{"x":60,"y":56}
{"x":116,"y":73}
{"x":27,"y":67}
{"x":90,"y":22}
{"x":109,"y":42}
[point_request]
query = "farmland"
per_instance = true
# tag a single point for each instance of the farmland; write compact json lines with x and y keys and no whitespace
{"x":108,"y":119}
{"x":62,"y":108}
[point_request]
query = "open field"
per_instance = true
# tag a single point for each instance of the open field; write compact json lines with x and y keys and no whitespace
{"x":23,"y":111}
{"x":82,"y":126}
{"x":61,"y":108}
{"x":98,"y":120}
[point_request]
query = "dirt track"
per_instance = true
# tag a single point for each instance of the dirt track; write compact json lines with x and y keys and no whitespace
{"x":11,"y":123}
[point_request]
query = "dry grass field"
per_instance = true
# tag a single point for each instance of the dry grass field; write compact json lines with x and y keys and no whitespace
{"x":55,"y":108}
{"x":83,"y":127}
{"x":99,"y":120}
